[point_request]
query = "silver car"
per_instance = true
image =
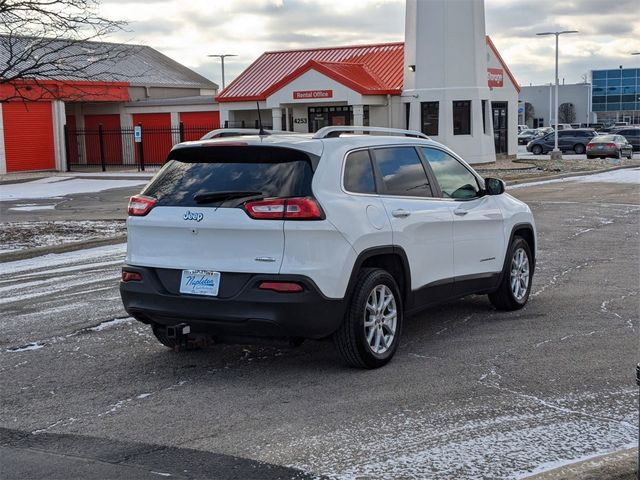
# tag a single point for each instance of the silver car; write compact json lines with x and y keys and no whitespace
{"x":604,"y":146}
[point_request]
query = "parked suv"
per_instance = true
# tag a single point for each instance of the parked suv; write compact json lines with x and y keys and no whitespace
{"x":306,"y":237}
{"x":575,"y":140}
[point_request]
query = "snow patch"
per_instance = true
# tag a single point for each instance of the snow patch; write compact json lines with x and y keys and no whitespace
{"x":59,"y":259}
{"x":26,"y":348}
{"x":32,"y":208}
{"x":52,"y":187}
{"x":110,"y":324}
{"x":625,"y":175}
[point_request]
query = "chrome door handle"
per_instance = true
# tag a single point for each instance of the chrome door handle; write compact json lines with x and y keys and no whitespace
{"x":460,"y":213}
{"x":400,"y":213}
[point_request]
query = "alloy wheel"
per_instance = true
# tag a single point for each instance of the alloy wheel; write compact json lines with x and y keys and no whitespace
{"x":380,"y":319}
{"x":519,"y":274}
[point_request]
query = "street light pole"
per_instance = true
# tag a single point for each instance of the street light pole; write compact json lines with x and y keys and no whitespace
{"x":222,"y":57}
{"x":556,"y":154}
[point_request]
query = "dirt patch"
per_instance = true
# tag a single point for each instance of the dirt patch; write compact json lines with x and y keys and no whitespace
{"x":16,"y":236}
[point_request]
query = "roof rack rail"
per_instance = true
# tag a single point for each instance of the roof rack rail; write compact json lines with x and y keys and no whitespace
{"x":335,"y":131}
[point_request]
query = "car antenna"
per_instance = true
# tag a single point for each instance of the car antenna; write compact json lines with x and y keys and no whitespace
{"x":261,"y":131}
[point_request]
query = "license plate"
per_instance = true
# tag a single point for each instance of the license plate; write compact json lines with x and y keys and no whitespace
{"x":200,"y":282}
{"x":600,"y":147}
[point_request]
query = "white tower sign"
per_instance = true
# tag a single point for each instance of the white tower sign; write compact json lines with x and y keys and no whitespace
{"x":445,"y":79}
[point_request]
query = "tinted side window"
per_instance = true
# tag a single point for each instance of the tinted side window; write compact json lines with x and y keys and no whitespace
{"x":358,"y":173}
{"x":454,"y":179}
{"x":402,"y":172}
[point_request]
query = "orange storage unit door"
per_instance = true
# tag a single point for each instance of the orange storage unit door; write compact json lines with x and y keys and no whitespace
{"x":111,"y":139}
{"x":196,"y":124}
{"x":28,"y":136}
{"x":156,"y":136}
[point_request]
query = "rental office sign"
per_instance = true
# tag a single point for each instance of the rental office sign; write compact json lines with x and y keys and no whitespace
{"x":312,"y":94}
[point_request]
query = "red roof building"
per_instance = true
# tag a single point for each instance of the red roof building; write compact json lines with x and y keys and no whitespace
{"x":304,"y":90}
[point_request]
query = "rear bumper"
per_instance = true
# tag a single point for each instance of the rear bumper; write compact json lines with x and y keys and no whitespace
{"x":242,"y":311}
{"x":601,"y":153}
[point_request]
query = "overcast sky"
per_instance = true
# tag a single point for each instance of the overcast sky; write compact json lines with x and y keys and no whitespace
{"x":189,"y":30}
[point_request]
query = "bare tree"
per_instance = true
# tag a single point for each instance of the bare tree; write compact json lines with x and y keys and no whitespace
{"x":567,"y":113}
{"x":45,"y":40}
{"x":529,"y":112}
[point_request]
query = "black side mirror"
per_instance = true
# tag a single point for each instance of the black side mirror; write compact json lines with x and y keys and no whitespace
{"x":494,"y":186}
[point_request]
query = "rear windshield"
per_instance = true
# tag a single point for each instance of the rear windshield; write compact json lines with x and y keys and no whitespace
{"x":269,"y":171}
{"x":604,"y":139}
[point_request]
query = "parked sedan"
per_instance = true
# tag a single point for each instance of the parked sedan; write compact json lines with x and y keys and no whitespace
{"x":575,"y":139}
{"x":632,"y":134}
{"x":526,"y":136}
{"x":604,"y":146}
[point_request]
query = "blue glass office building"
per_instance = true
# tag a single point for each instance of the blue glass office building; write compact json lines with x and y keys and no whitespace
{"x":616,"y":95}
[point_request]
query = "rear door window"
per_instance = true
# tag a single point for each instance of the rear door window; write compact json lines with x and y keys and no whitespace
{"x":402,"y":172}
{"x":358,"y":173}
{"x":266,"y":172}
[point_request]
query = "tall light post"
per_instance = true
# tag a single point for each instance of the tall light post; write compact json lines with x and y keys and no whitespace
{"x":222,"y":57}
{"x":556,"y":154}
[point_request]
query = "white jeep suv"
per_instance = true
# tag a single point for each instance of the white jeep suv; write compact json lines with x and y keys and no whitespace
{"x":306,"y":237}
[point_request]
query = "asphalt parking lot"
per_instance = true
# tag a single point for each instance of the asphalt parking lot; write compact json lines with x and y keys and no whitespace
{"x":471,"y":393}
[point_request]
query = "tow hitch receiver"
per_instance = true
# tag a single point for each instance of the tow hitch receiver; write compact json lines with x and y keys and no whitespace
{"x":181,"y":333}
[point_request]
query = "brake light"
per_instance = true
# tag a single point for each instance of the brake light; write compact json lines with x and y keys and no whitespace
{"x":140,"y":205}
{"x":281,"y":287}
{"x":299,"y":208}
{"x":590,"y":146}
{"x":131,"y":276}
{"x":227,"y":144}
{"x":611,"y":145}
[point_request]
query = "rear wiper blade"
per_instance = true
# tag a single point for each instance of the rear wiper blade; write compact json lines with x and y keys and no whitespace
{"x":208,"y":197}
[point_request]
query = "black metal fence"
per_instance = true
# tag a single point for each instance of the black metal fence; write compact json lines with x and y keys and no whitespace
{"x":105,"y":148}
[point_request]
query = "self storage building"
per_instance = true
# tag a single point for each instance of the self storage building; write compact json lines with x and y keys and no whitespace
{"x":114,"y":87}
{"x":304,"y":90}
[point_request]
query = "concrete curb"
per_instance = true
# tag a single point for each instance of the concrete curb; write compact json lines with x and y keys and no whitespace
{"x":567,"y":175}
{"x":621,"y":465}
{"x":67,"y":247}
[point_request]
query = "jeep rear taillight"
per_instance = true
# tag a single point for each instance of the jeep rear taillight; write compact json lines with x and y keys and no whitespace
{"x":140,"y":205}
{"x":296,"y":208}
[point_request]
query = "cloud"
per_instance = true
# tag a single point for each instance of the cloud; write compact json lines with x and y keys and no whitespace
{"x":188,"y":31}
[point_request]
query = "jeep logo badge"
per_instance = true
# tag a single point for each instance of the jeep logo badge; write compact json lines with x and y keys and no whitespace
{"x":195,"y":216}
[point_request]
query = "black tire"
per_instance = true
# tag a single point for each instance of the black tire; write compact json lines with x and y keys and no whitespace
{"x":350,"y":339}
{"x":536,"y":149}
{"x":579,"y":149}
{"x":630,"y":156}
{"x":504,"y":298}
